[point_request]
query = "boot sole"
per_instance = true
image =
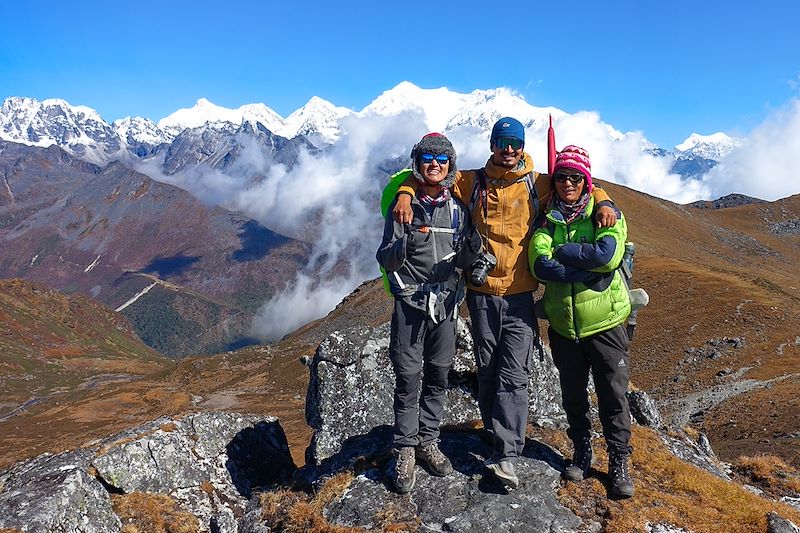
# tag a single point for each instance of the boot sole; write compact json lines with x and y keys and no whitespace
{"x":494,"y":468}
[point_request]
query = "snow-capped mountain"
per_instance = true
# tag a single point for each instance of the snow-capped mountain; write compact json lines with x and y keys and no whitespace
{"x":141,"y":135}
{"x":698,"y":154}
{"x":219,"y":145}
{"x":140,"y":130}
{"x":83,"y":132}
{"x":318,"y":121}
{"x":444,"y":110}
{"x":713,"y":147}
{"x":204,"y":112}
{"x":79,"y":129}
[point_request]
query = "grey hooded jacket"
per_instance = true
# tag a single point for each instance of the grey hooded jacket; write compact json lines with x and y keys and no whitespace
{"x":424,"y":260}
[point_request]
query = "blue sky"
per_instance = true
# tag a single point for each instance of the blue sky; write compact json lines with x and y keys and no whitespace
{"x":667,"y":69}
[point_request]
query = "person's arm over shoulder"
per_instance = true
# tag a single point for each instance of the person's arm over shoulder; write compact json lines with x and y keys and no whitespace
{"x":601,"y":197}
{"x":544,"y":190}
{"x":545,"y":267}
{"x":605,"y":214}
{"x":392,"y":252}
{"x":602,"y":255}
{"x":409,"y":187}
{"x":401,"y":212}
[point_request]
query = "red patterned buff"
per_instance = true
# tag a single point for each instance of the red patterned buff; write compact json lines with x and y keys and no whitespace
{"x":575,"y":158}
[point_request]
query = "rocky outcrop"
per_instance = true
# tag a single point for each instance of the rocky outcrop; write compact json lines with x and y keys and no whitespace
{"x":696,"y":451}
{"x":729,"y":200}
{"x":463,"y":501}
{"x":777,"y":524}
{"x":56,"y":493}
{"x":209,"y":463}
{"x":234,"y":473}
{"x":644,"y":409}
{"x":351,"y":388}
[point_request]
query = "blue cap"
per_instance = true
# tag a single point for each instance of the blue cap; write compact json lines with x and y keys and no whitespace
{"x":508,"y":127}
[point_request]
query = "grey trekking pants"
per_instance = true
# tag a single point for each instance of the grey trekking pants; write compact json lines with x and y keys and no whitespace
{"x":606,"y":355}
{"x":503,"y":331}
{"x":421,"y":351}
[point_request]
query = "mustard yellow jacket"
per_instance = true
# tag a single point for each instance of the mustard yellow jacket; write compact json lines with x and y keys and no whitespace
{"x":510,"y":217}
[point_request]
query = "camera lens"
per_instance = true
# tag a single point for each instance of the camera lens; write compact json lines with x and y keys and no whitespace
{"x":481,"y":268}
{"x":478,"y":277}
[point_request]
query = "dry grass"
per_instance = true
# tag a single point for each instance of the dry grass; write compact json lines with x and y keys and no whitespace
{"x":770,"y":473}
{"x":291,"y":511}
{"x":332,"y":488}
{"x":152,"y":513}
{"x":671,"y":491}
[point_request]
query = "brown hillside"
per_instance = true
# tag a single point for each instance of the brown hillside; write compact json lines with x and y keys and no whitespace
{"x":257,"y":379}
{"x":52,"y":344}
{"x":715,"y":274}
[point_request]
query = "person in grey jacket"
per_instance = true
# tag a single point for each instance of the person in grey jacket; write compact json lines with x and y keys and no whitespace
{"x":424,"y":261}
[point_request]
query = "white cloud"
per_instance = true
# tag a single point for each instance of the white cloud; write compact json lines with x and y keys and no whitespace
{"x":766,"y":167}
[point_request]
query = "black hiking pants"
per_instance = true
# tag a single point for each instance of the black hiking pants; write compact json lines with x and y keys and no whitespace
{"x":606,"y":355}
{"x":421,"y":351}
{"x":503,"y":332}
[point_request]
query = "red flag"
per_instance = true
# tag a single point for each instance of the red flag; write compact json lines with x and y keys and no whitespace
{"x":551,"y":147}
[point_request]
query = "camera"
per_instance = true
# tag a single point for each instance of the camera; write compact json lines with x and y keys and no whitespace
{"x":481,"y":267}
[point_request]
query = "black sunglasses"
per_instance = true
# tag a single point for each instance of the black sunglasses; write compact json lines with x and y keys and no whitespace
{"x":504,"y":142}
{"x":573,"y":178}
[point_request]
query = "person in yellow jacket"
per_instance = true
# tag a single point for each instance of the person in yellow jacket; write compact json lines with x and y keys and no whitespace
{"x":504,"y":198}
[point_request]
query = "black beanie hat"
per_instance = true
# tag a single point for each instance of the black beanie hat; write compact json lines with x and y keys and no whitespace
{"x":434,"y":143}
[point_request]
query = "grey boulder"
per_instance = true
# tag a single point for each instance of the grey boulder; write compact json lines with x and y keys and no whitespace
{"x":351,"y":388}
{"x":55,"y":493}
{"x":208,"y":462}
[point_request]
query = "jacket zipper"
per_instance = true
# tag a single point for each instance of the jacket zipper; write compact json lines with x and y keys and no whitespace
{"x":572,"y":286}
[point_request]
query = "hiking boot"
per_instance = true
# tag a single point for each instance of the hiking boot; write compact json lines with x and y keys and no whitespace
{"x":432,"y":456}
{"x":581,"y":459}
{"x":404,"y":474}
{"x":504,"y":471}
{"x":619,"y":474}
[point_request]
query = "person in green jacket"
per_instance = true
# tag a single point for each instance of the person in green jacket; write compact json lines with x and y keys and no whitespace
{"x":586,"y":302}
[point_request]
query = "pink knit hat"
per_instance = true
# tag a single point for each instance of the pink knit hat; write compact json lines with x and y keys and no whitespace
{"x":575,"y":158}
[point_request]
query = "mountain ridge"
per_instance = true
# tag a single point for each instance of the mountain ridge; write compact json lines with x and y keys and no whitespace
{"x":21,"y":120}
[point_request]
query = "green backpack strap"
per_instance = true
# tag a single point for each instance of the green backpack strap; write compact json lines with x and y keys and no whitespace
{"x":390,"y":191}
{"x":387,"y":197}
